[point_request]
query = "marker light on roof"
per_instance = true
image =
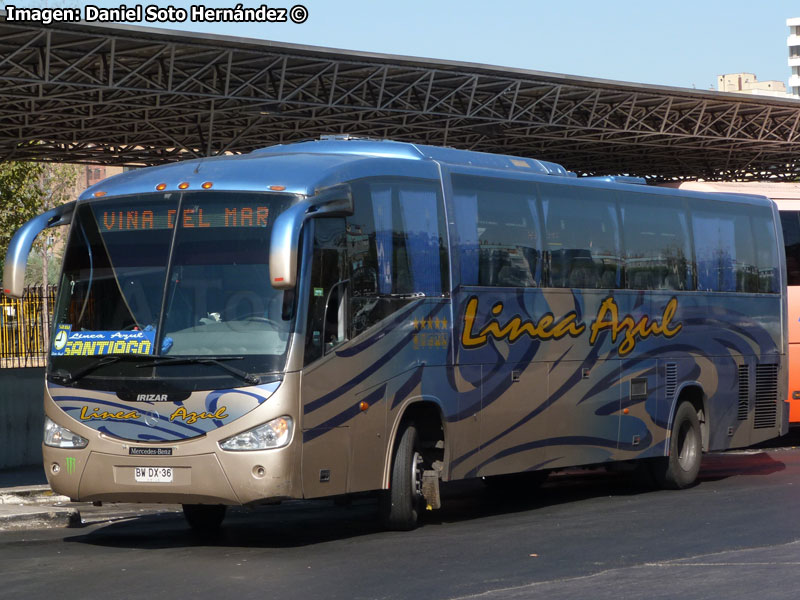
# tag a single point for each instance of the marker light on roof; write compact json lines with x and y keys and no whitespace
{"x":183,"y":185}
{"x":161,"y":187}
{"x":277,"y":188}
{"x":207,"y":185}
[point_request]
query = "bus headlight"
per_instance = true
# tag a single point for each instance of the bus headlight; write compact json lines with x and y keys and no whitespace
{"x":274,"y":434}
{"x":57,"y":436}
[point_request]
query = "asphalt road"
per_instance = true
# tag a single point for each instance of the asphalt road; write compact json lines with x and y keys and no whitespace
{"x":594,"y":535}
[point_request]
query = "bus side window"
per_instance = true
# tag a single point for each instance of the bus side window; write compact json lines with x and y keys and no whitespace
{"x":499,"y":238}
{"x":582,"y":237}
{"x":657,"y":244}
{"x":725,"y":248}
{"x":362,"y":259}
{"x":327,"y":325}
{"x":395,"y":247}
{"x":766,"y":255}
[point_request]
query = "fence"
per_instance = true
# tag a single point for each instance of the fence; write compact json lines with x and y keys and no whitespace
{"x":25,"y":327}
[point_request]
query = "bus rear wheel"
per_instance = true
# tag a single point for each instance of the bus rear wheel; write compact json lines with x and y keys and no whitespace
{"x":401,"y":504}
{"x":204,"y":519}
{"x":680,"y":469}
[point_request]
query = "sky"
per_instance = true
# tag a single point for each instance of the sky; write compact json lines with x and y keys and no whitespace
{"x":682,"y":43}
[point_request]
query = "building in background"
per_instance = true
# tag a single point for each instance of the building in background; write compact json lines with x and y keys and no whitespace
{"x":748,"y":83}
{"x":91,"y":174}
{"x":794,"y":56}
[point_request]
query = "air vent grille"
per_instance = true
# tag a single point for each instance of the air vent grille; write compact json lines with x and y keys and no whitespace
{"x":766,"y":396}
{"x":744,"y":392}
{"x":672,"y":380}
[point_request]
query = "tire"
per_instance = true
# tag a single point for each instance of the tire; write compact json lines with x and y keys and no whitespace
{"x":401,"y":504}
{"x":204,"y":519}
{"x":680,"y":469}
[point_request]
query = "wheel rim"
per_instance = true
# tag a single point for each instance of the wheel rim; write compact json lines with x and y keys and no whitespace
{"x":416,"y":476}
{"x":687,"y":447}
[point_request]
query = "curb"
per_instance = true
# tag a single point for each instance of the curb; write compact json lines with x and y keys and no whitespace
{"x":37,"y":517}
{"x":31,"y":494}
{"x":35,"y":507}
{"x":38,"y":507}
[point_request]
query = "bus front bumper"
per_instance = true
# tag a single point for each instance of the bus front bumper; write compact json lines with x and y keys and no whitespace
{"x":231,"y":478}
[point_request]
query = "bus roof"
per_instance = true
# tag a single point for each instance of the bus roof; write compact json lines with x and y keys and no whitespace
{"x":304,"y":167}
{"x":392,"y":149}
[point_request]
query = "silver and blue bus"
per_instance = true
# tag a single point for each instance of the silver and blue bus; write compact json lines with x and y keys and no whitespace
{"x":342,"y":316}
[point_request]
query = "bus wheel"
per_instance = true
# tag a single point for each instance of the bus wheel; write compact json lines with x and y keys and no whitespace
{"x":204,"y":519}
{"x":401,"y":504}
{"x":680,"y":469}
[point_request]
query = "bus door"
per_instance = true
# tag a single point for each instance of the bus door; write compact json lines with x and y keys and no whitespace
{"x":327,"y":398}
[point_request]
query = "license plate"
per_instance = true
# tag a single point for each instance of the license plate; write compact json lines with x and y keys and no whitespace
{"x":153,"y":474}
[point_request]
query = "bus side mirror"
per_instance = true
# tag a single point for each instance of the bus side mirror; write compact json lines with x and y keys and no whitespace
{"x":20,"y":246}
{"x":336,"y":201}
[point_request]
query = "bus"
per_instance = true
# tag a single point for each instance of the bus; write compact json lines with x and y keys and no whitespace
{"x":787,"y":196}
{"x":346,"y":316}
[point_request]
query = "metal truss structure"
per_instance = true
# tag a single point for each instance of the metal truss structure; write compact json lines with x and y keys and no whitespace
{"x":131,"y":95}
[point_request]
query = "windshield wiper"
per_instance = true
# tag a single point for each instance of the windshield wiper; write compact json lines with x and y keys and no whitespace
{"x":65,"y":377}
{"x":204,"y":360}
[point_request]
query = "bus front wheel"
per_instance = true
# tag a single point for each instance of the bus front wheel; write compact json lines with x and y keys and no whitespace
{"x":204,"y":519}
{"x":680,"y":469}
{"x":401,"y":504}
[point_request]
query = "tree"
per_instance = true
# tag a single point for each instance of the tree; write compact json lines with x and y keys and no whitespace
{"x":56,"y":186}
{"x":26,"y":190}
{"x":20,"y":198}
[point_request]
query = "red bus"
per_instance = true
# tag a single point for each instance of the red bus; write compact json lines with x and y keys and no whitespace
{"x":787,"y":196}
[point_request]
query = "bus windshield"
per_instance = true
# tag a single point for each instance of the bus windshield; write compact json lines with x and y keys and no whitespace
{"x":177,"y":275}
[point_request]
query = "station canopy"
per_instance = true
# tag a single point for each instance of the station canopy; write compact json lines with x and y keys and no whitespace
{"x":125,"y":95}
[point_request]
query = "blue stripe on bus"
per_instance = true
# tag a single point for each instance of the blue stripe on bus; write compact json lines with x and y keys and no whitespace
{"x":590,"y":441}
{"x":408,"y":386}
{"x":374,"y":367}
{"x":343,"y":417}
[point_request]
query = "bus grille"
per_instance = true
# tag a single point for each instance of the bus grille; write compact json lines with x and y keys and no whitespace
{"x":672,"y":380}
{"x":766,"y":396}
{"x":744,"y":392}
